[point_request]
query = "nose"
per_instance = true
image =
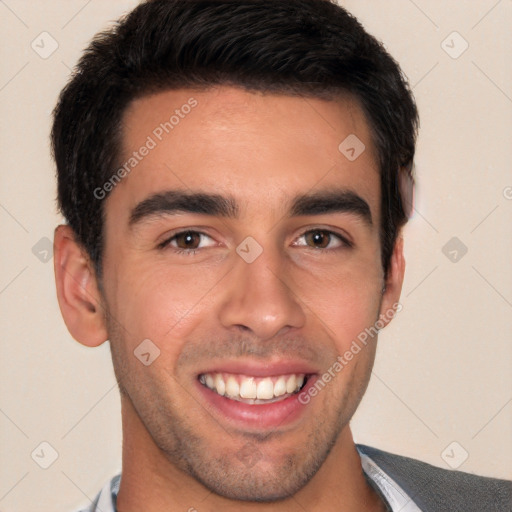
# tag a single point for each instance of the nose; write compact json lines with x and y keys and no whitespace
{"x":258,"y":299}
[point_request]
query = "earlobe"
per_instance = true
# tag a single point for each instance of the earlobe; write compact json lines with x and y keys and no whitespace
{"x":78,"y":293}
{"x":393,"y":286}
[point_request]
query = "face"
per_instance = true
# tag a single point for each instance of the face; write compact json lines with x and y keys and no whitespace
{"x":245,"y":247}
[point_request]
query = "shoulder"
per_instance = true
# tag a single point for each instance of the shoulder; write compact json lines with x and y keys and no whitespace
{"x":106,"y":499}
{"x":434,"y":488}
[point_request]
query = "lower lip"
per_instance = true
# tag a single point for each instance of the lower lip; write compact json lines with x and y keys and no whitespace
{"x":257,"y":416}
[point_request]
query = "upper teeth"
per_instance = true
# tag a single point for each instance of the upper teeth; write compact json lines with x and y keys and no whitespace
{"x":246,"y":387}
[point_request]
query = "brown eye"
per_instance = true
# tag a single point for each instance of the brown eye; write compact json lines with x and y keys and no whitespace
{"x":318,"y":239}
{"x":187,"y":240}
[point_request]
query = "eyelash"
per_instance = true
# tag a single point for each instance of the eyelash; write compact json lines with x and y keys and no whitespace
{"x":187,"y":252}
{"x":191,"y":252}
{"x":345,"y":243}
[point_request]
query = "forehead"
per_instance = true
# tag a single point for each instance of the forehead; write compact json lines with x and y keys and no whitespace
{"x":254,"y":146}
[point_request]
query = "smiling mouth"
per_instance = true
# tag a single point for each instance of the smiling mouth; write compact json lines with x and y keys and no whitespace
{"x":254,"y":390}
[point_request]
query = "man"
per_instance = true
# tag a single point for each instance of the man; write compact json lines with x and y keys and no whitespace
{"x":235,"y":176}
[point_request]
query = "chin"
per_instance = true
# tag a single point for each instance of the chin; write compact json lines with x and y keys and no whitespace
{"x":257,"y":480}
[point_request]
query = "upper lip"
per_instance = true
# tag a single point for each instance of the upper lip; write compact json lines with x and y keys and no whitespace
{"x":261,"y":369}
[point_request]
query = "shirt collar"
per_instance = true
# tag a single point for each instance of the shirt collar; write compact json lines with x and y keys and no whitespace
{"x":397,"y":498}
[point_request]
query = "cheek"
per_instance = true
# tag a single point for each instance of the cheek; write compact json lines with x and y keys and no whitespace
{"x":343,"y":302}
{"x":158,"y":302}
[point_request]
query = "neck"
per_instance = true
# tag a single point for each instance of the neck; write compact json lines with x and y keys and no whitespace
{"x":150,"y":482}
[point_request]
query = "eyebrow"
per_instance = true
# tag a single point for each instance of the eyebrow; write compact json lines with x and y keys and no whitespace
{"x":319,"y":203}
{"x":333,"y":201}
{"x":172,"y":202}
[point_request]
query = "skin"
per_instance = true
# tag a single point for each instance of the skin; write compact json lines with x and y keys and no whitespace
{"x":209,"y":306}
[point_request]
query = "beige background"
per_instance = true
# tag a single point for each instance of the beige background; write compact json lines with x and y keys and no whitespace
{"x":443,"y":370}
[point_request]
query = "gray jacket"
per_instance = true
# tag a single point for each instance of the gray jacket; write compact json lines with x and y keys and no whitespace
{"x":441,"y":490}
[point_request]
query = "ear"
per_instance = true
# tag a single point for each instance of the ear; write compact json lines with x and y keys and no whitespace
{"x":77,"y":290}
{"x":390,"y":304}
